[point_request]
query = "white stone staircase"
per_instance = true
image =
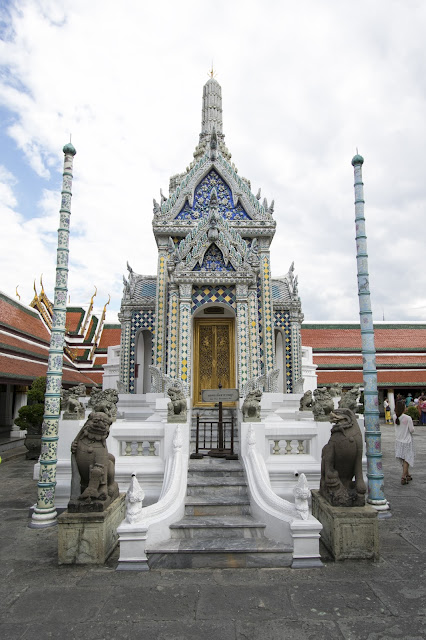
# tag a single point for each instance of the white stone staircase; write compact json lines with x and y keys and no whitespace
{"x":217,"y":529}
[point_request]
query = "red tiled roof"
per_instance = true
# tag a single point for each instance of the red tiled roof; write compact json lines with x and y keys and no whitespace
{"x":24,"y":370}
{"x":111,"y":336}
{"x":74,"y":319}
{"x":22,"y":319}
{"x":384,"y":378}
{"x":10,"y":342}
{"x":333,"y":337}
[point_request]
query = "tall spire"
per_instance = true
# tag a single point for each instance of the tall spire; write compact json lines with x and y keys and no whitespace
{"x":211,"y":119}
{"x":211,"y":113}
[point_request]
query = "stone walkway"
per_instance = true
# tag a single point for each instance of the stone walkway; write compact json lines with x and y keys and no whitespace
{"x":350,"y":600}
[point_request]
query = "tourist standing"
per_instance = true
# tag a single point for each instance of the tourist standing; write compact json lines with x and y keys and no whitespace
{"x":421,"y":407}
{"x":388,"y":418}
{"x":404,"y":445}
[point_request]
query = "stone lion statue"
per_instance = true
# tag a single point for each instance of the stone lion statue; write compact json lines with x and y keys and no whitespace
{"x":251,"y":406}
{"x":341,"y":461}
{"x":70,"y":404}
{"x":106,"y":401}
{"x":176,"y":408}
{"x":349,"y":400}
{"x":94,"y":465}
{"x":323,"y":405}
{"x":306,"y":401}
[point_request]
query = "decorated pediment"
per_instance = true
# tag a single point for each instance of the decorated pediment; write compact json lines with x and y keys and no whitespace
{"x":201,"y":200}
{"x":213,"y":245}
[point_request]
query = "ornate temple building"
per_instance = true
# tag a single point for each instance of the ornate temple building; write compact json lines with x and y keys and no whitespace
{"x":212,"y":315}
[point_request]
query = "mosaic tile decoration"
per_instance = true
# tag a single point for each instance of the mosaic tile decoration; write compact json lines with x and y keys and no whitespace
{"x":282,"y":321}
{"x":200,"y":207}
{"x":185,"y":344}
{"x":204,"y":294}
{"x":160,"y":312}
{"x":140,"y":320}
{"x":254,"y":335}
{"x":213,"y":261}
{"x":268,"y":346}
{"x":243,"y":344}
{"x":172,"y":335}
{"x":145,"y":289}
{"x":125,"y":353}
{"x":260,"y":325}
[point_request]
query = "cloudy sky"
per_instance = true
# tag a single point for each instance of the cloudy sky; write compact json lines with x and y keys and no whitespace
{"x":303,"y":84}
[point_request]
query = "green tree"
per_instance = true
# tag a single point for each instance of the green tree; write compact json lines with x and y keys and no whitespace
{"x":30,"y":417}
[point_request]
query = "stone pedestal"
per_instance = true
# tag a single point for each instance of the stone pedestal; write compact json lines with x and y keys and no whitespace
{"x":349,"y":533}
{"x":89,"y":538}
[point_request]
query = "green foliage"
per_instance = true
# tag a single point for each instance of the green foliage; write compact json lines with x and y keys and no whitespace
{"x":30,"y":417}
{"x":412,"y":412}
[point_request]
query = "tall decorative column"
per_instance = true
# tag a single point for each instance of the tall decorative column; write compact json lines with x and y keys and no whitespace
{"x":44,"y":514}
{"x":267,"y":313}
{"x":185,"y":335}
{"x":255,"y":369}
{"x":243,"y":336}
{"x":161,"y":310}
{"x":375,"y":476}
{"x":173,"y":332}
{"x":125,"y":319}
{"x":296,"y":319}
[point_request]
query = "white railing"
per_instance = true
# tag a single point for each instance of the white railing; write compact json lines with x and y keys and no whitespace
{"x":140,"y":447}
{"x":282,"y":519}
{"x":153,"y":522}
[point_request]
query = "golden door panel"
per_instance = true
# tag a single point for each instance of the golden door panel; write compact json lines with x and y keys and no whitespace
{"x":214,"y":356}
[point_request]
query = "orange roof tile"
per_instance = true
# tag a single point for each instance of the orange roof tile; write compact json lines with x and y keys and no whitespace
{"x":111,"y":336}
{"x":22,"y":319}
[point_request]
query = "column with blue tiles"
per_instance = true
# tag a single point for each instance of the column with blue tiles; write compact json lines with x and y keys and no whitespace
{"x":255,"y":370}
{"x":173,"y":333}
{"x":185,"y":335}
{"x":267,"y":313}
{"x":296,"y":319}
{"x":125,"y":319}
{"x":44,"y":514}
{"x":376,"y":496}
{"x":161,"y":310}
{"x":242,"y":336}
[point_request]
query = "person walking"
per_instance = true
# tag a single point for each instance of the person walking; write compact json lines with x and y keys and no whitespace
{"x":387,"y":408}
{"x":404,"y":445}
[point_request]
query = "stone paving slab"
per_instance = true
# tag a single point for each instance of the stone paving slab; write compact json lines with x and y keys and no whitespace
{"x":347,"y":601}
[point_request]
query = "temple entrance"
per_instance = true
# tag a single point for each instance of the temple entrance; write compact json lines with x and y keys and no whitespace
{"x":214,"y":356}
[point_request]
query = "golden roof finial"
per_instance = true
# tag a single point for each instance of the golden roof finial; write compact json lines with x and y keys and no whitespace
{"x":96,"y":291}
{"x":17,"y":291}
{"x":211,"y":73}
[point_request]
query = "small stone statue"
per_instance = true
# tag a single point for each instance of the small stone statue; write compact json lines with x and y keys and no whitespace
{"x":106,"y":401}
{"x":176,"y":408}
{"x":251,"y":406}
{"x":306,"y":401}
{"x":323,"y":405}
{"x":134,"y":500}
{"x":349,"y":400}
{"x":341,"y":461}
{"x":95,"y":466}
{"x":302,"y":493}
{"x":70,"y":404}
{"x":335,"y":390}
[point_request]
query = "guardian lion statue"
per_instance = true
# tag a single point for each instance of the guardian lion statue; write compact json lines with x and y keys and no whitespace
{"x":323,"y":405}
{"x":251,"y":406}
{"x":341,"y":461}
{"x":94,"y":466}
{"x":306,"y":401}
{"x":176,"y":408}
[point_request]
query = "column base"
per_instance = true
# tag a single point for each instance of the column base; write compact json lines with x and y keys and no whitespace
{"x":43,"y":518}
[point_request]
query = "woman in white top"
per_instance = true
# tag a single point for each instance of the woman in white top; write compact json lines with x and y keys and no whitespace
{"x":404,"y":445}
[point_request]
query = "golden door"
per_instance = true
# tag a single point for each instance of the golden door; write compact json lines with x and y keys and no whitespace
{"x":214,"y":356}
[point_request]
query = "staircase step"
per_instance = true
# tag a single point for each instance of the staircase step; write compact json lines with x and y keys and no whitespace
{"x":220,"y":553}
{"x":213,"y":505}
{"x":217,"y":527}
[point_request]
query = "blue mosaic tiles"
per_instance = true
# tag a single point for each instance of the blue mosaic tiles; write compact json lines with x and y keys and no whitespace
{"x":213,"y":261}
{"x":202,"y":295}
{"x":282,"y":321}
{"x":140,"y":320}
{"x":200,"y":207}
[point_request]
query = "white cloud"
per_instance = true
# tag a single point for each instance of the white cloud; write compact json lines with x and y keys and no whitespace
{"x":303,"y":84}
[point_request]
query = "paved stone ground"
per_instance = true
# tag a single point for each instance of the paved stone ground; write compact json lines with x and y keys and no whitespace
{"x":350,"y":600}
